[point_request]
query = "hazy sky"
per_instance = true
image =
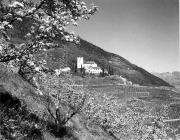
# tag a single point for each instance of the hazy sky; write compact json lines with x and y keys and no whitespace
{"x":143,"y":31}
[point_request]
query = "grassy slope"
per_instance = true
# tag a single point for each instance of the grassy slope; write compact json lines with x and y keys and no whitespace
{"x":21,"y":89}
{"x":30,"y":105}
{"x":21,"y":109}
{"x":23,"y":112}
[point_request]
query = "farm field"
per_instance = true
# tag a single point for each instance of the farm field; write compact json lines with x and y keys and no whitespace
{"x":156,"y":95}
{"x":151,"y":97}
{"x":115,"y":87}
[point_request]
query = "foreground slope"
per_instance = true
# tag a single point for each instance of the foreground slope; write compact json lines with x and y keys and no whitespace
{"x":24,"y":114}
{"x":110,"y":112}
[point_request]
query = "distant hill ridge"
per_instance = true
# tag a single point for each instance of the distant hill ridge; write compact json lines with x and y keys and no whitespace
{"x":66,"y":56}
{"x":171,"y":77}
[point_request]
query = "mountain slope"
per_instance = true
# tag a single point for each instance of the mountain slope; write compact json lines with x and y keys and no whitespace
{"x":105,"y":60}
{"x":66,"y":56}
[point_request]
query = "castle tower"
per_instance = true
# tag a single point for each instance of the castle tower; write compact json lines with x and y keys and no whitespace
{"x":80,"y":62}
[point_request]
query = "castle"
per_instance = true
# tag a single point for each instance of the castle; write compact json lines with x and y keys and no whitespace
{"x":89,"y":66}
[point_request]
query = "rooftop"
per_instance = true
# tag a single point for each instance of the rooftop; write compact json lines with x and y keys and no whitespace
{"x":94,"y":68}
{"x":89,"y":62}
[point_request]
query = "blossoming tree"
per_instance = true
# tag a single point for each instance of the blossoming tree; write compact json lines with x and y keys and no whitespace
{"x":49,"y":21}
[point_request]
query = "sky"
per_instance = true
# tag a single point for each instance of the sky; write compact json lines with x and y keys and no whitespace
{"x":145,"y":32}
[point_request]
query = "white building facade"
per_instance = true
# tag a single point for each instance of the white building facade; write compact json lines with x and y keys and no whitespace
{"x":90,"y":66}
{"x":93,"y":70}
{"x":80,"y":62}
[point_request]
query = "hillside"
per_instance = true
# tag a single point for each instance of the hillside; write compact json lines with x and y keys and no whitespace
{"x":171,"y":77}
{"x":105,"y":60}
{"x":25,"y":114}
{"x":66,"y":55}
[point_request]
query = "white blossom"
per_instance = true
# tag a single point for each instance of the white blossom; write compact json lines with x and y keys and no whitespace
{"x":16,"y":4}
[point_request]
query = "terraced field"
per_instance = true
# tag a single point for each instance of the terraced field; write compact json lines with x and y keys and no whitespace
{"x":114,"y":87}
{"x":153,"y":97}
{"x":150,"y":94}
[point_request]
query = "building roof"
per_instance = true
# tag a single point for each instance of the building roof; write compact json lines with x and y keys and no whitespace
{"x":89,"y":62}
{"x":95,"y":68}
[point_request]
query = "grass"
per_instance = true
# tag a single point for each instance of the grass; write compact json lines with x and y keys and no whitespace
{"x":23,"y":112}
{"x":122,"y":91}
{"x":17,"y":87}
{"x":16,"y":121}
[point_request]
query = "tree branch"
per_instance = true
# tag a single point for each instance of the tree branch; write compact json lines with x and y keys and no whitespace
{"x":26,"y":15}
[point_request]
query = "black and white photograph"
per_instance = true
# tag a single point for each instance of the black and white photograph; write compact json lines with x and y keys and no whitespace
{"x":89,"y":70}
